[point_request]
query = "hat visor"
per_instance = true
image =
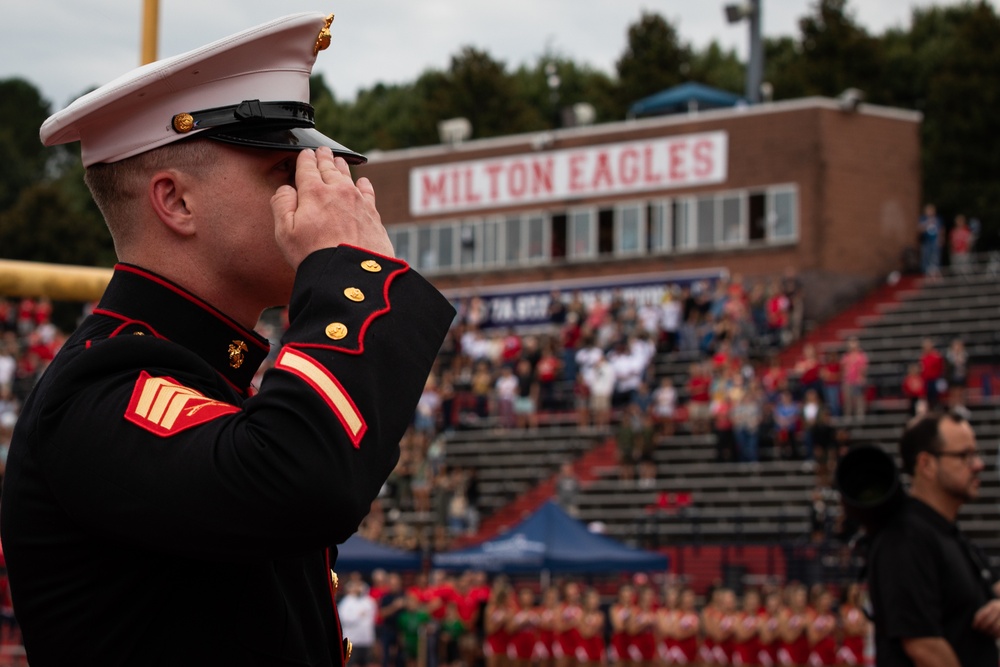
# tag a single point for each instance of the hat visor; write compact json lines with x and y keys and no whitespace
{"x":285,"y":139}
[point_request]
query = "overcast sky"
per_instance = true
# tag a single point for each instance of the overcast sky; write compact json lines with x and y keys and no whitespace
{"x":66,"y":46}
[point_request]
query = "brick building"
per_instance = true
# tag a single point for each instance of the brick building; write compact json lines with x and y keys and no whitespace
{"x":832,"y":193}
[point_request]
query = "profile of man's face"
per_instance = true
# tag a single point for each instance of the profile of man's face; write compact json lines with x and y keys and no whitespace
{"x":957,"y":476}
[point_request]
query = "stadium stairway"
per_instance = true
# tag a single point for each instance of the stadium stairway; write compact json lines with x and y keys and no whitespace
{"x":835,"y":331}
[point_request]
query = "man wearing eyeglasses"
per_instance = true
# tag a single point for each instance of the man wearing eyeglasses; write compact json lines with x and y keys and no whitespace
{"x":933,"y":593}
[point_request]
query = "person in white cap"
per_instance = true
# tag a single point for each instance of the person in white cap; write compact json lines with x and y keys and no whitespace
{"x":158,"y":509}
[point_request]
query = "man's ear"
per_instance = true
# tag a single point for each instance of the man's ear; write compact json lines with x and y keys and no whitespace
{"x":168,"y":198}
{"x":922,"y":464}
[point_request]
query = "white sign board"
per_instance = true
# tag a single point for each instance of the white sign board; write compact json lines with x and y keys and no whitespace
{"x":534,"y":178}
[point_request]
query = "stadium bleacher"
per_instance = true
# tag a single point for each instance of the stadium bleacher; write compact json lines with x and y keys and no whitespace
{"x":769,"y":501}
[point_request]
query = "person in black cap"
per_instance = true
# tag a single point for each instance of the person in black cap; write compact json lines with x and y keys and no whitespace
{"x":933,"y":594}
{"x":158,"y":509}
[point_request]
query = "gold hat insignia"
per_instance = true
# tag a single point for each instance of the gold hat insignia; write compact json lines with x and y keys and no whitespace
{"x":323,"y":40}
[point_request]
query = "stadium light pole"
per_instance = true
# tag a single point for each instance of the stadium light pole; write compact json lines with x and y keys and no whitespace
{"x":751,"y":11}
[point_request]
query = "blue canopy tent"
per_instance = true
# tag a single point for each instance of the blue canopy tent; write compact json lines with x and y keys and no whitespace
{"x":683,"y":98}
{"x":551,"y":540}
{"x":358,"y":554}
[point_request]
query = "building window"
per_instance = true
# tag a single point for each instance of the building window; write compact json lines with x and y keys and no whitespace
{"x":492,"y":241}
{"x":557,"y":229}
{"x":426,"y":252}
{"x":512,"y":237}
{"x":757,"y":205}
{"x":537,"y":237}
{"x":400,"y":239}
{"x":630,"y":230}
{"x":706,"y":222}
{"x":659,"y":234}
{"x":470,"y":246}
{"x":446,"y":246}
{"x":731,"y":232}
{"x":718,"y":220}
{"x":582,"y":234}
{"x":781,"y":216}
{"x":684,"y":224}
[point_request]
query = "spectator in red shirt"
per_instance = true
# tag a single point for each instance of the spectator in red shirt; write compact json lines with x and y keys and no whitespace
{"x":548,"y":372}
{"x":511,"y":347}
{"x":915,"y":390}
{"x":699,"y":387}
{"x":808,"y":370}
{"x":960,"y":245}
{"x":932,"y":371}
{"x":778,"y":308}
{"x":774,"y":380}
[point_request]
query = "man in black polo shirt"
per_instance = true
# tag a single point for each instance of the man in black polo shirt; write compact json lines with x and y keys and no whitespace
{"x":933,"y":593}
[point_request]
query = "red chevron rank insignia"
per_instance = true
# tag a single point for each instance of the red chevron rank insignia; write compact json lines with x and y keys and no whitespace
{"x":164,"y":407}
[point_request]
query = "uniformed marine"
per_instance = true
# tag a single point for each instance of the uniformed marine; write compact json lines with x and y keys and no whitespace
{"x":157,"y":508}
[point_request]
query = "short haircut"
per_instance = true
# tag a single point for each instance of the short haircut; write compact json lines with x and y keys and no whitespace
{"x":923,"y":434}
{"x":119,"y":187}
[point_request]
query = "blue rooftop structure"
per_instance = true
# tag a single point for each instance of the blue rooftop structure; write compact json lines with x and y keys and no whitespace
{"x":683,"y":98}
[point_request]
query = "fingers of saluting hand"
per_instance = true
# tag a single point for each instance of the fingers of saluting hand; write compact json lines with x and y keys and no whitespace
{"x":987,"y":619}
{"x":325,"y":209}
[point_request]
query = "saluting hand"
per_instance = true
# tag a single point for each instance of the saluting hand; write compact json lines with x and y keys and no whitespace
{"x":325,"y":209}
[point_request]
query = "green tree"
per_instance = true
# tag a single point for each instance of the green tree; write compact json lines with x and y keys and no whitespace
{"x":575,"y":84}
{"x":22,"y":156}
{"x":479,"y":88}
{"x":654,"y":59}
{"x":961,"y":130}
{"x":718,"y":68}
{"x":47,"y":225}
{"x":833,"y":53}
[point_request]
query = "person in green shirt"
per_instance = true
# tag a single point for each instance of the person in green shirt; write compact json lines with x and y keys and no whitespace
{"x":411,"y":621}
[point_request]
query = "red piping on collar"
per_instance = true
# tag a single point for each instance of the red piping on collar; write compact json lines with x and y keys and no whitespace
{"x":128,"y":321}
{"x":193,"y":299}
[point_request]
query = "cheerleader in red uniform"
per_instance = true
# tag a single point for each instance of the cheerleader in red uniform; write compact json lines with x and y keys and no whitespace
{"x":794,"y":645}
{"x":746,"y":635}
{"x":495,"y":617}
{"x":547,"y":617}
{"x":855,"y":626}
{"x":591,"y":650}
{"x":642,"y":630}
{"x":821,"y":631}
{"x":522,"y":628}
{"x":726,"y":637}
{"x":666,"y":620}
{"x":568,"y":626}
{"x":769,"y":630}
{"x":620,"y":614}
{"x":719,"y":622}
{"x":687,"y":630}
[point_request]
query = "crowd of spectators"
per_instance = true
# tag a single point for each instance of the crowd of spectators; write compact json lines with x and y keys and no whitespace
{"x":591,"y":364}
{"x":457,"y":621}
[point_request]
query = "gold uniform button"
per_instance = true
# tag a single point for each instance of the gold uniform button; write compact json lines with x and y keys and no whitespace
{"x":354,"y":294}
{"x":348,"y":647}
{"x":336,"y":331}
{"x":371,"y":266}
{"x":334,"y":580}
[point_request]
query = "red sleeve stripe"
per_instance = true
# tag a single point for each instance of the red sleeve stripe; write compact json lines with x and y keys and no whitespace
{"x":328,"y":388}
